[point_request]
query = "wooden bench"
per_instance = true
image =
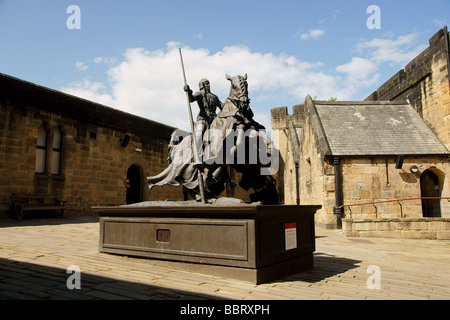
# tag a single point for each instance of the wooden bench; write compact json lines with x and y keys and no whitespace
{"x":32,"y":202}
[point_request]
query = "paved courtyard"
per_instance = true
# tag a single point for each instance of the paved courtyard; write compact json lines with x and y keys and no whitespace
{"x":36,"y":253}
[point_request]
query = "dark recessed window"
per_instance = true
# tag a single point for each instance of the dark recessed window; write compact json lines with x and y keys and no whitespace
{"x":41,"y":150}
{"x":57,"y":151}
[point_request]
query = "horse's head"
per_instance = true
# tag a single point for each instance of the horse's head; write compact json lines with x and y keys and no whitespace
{"x":239,"y":90}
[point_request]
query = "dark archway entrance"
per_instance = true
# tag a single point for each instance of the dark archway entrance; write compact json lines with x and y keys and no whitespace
{"x":134,"y":185}
{"x":429,"y":187}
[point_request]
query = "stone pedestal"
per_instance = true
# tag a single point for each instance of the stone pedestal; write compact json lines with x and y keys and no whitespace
{"x":253,"y":243}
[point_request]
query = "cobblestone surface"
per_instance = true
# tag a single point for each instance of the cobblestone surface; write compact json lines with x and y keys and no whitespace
{"x":35,"y":255}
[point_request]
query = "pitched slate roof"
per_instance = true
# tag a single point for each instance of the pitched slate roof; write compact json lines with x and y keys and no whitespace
{"x":376,"y":128}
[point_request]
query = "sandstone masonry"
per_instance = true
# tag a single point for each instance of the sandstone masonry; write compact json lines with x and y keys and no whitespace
{"x":94,"y":160}
{"x":368,"y":162}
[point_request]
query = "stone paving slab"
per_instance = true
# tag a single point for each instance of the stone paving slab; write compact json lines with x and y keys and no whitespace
{"x":35,"y":255}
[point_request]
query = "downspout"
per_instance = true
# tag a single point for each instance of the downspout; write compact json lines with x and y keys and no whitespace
{"x":295,"y":143}
{"x":297,"y":184}
{"x":447,"y":51}
{"x":337,"y":191}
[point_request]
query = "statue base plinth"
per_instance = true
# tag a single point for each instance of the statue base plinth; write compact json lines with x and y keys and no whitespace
{"x":255,"y":243}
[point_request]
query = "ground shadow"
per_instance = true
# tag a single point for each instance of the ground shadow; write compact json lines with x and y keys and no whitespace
{"x":42,"y":218}
{"x":325,"y":266}
{"x":26,"y":281}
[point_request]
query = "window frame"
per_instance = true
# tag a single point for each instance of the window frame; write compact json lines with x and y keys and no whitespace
{"x":43,"y":155}
{"x":57,"y":150}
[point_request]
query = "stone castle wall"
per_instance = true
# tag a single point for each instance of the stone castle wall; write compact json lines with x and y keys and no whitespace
{"x":369,"y":180}
{"x":309,"y":176}
{"x":406,"y":228}
{"x":94,"y":162}
{"x":425,"y":83}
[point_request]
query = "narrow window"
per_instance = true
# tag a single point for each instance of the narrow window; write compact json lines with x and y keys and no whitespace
{"x":56,"y":154}
{"x":41,"y":150}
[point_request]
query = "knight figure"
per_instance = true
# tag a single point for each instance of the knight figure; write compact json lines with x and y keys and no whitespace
{"x":230,"y":139}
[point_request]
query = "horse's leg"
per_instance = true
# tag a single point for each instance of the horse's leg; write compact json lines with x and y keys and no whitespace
{"x":240,"y":140}
{"x":198,"y":136}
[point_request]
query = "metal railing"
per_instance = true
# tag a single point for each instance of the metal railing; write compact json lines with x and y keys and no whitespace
{"x":391,"y":200}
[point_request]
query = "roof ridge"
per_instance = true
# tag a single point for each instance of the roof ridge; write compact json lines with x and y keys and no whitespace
{"x":368,"y":103}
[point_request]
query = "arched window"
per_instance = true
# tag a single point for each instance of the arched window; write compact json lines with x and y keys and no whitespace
{"x":41,"y":150}
{"x":56,"y":154}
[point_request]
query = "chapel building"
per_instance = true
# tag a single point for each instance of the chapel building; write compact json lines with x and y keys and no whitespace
{"x":379,"y":167}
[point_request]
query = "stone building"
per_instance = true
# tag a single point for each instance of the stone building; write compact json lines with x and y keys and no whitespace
{"x":369,"y":163}
{"x":86,"y":153}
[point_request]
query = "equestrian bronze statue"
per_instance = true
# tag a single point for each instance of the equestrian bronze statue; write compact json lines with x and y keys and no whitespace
{"x":230,"y":139}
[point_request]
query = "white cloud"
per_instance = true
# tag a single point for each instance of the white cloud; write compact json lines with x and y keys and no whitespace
{"x":360,"y":73}
{"x":94,"y":91}
{"x":312,"y":34}
{"x":81,"y":66}
{"x":396,"y":52}
{"x":105,"y":60}
{"x":358,"y":68}
{"x":150,"y":83}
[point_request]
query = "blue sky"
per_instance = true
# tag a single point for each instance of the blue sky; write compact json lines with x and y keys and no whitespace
{"x":126,"y":53}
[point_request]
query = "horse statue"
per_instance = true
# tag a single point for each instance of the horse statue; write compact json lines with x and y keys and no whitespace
{"x":233,"y":140}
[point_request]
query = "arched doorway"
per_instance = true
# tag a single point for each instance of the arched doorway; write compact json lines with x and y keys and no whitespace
{"x":429,"y":187}
{"x":134,"y":185}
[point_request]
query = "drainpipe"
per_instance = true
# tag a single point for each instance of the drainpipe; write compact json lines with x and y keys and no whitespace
{"x":297,"y":184}
{"x":447,"y":51}
{"x":337,"y":191}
